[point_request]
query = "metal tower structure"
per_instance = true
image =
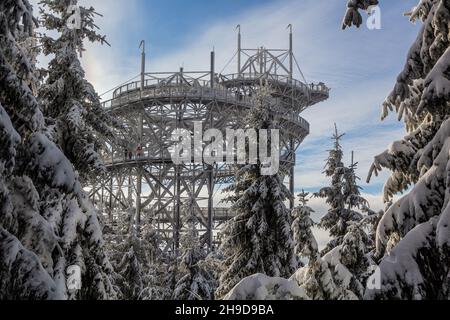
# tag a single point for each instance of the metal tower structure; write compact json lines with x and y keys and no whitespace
{"x":143,"y":181}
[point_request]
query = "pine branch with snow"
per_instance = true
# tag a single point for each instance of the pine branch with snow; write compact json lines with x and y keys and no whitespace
{"x":47,"y":223}
{"x":69,"y":100}
{"x":413,"y":236}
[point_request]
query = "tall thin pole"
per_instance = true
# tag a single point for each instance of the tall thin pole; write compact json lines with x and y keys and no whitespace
{"x":111,"y":197}
{"x":213,"y":68}
{"x":177,"y":209}
{"x":139,"y":175}
{"x":137,"y":218}
{"x":291,"y":53}
{"x":142,"y":46}
{"x":239,"y":49}
{"x":292,"y":142}
{"x":210,"y":170}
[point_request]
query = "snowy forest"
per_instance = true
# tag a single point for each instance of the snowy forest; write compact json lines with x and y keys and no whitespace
{"x":51,"y":122}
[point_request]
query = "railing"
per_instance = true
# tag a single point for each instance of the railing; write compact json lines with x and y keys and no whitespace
{"x":201,"y":89}
{"x":320,"y":88}
{"x":317,"y":88}
{"x":298,"y":120}
{"x":162,"y":83}
{"x":221,"y":214}
{"x":118,"y":159}
{"x":129,"y":94}
{"x":225,"y":172}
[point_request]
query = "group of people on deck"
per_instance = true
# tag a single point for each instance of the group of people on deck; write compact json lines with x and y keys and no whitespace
{"x":137,"y":154}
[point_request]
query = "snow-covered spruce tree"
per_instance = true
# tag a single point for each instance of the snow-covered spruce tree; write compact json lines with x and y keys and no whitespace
{"x":70,"y":103}
{"x":46,"y":221}
{"x":317,"y":281}
{"x":413,"y":236}
{"x":213,"y":265}
{"x":259,"y":237}
{"x":259,"y":287}
{"x":158,"y":277}
{"x":157,"y":282}
{"x":305,"y":243}
{"x":370,"y":224}
{"x":22,"y":275}
{"x":342,"y":273}
{"x":342,"y":195}
{"x":195,"y":282}
{"x":132,"y":269}
{"x":139,"y":260}
{"x":151,"y":241}
{"x":351,"y":190}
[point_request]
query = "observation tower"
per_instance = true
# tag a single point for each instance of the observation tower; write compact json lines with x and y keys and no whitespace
{"x":143,"y":181}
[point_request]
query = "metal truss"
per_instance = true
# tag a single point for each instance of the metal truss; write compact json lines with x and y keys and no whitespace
{"x":148,"y":184}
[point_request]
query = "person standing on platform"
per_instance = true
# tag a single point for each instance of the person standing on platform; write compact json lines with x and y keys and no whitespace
{"x":139,"y":151}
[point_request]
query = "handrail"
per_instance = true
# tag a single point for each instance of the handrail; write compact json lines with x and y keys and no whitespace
{"x":210,"y":93}
{"x":219,"y":92}
{"x":319,"y":88}
{"x":217,"y":212}
{"x":130,"y":93}
{"x":162,"y":83}
{"x":198,"y":83}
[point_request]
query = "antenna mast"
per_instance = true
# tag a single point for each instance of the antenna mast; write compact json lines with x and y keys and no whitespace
{"x":142,"y":46}
{"x":239,"y":49}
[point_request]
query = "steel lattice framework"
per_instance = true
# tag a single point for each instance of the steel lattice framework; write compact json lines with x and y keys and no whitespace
{"x":150,"y":186}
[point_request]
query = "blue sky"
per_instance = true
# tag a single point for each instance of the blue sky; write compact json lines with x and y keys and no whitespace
{"x":175,"y":22}
{"x":360,"y":66}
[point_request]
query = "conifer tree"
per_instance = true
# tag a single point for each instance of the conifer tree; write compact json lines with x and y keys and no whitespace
{"x":70,"y":103}
{"x":47,"y":223}
{"x":259,"y":237}
{"x":195,"y":281}
{"x":305,"y":242}
{"x":413,"y":236}
{"x":132,"y":269}
{"x":157,"y":282}
{"x":351,"y":190}
{"x":342,"y":273}
{"x":342,"y":195}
